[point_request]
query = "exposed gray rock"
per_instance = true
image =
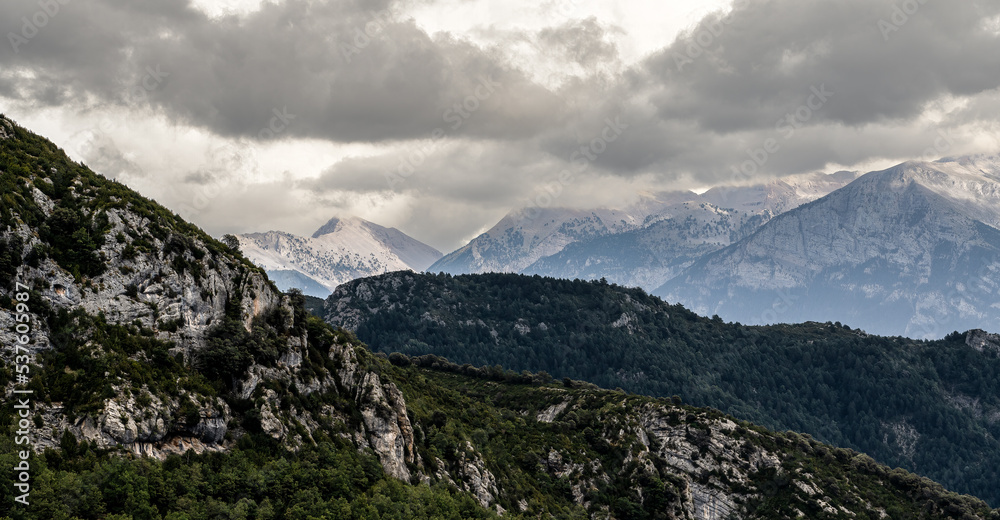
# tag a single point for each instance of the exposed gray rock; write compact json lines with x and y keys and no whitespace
{"x":270,"y":420}
{"x":983,"y":341}
{"x":387,"y":426}
{"x":154,"y":430}
{"x":549,"y":414}
{"x":163,"y":294}
{"x":476,"y":478}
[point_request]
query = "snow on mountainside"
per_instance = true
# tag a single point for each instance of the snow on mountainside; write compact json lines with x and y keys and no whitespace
{"x":525,"y":235}
{"x":643,"y":245}
{"x":911,"y":250}
{"x":779,"y":195}
{"x":649,"y":256}
{"x":340,"y":251}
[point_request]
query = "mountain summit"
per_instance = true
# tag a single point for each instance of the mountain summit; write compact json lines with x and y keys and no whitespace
{"x":339,"y":251}
{"x":911,"y":250}
{"x":644,"y":244}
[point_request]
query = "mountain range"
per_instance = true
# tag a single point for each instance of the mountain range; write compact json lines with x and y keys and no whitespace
{"x":644,"y":244}
{"x":911,"y":250}
{"x":341,"y":250}
{"x":169,"y":378}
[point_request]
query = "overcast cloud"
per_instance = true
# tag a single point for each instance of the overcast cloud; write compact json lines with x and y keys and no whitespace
{"x":439,"y":117}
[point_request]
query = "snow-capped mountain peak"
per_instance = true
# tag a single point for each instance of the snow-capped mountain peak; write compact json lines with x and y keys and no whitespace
{"x":341,"y":250}
{"x":914,"y":250}
{"x":645,"y":243}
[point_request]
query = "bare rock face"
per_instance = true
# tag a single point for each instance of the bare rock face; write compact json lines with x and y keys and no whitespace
{"x":549,"y":414}
{"x":713,"y":468}
{"x":691,"y":452}
{"x":387,"y":427}
{"x":983,"y":341}
{"x":258,"y":296}
{"x":145,"y":425}
{"x":172,"y":284}
{"x":270,"y":420}
{"x":476,"y":477}
{"x":147,"y":288}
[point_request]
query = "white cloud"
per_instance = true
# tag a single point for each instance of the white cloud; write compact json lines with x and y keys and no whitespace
{"x":223,"y":8}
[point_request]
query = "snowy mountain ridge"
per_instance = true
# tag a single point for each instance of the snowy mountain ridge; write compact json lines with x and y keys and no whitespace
{"x":913,"y":250}
{"x":341,"y":250}
{"x":644,"y":244}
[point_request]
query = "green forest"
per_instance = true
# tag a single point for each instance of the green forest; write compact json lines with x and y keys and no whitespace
{"x":932,"y":407}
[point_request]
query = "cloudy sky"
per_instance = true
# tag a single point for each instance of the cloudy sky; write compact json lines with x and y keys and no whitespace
{"x":439,"y":116}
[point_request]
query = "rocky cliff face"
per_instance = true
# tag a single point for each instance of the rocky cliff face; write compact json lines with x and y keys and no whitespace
{"x":145,"y":287}
{"x":154,"y":428}
{"x":167,"y":281}
{"x":681,"y":462}
{"x":983,"y":341}
{"x":710,"y":470}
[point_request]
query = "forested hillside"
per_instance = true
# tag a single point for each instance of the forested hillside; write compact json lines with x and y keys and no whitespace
{"x":930,"y":407}
{"x":530,"y":448}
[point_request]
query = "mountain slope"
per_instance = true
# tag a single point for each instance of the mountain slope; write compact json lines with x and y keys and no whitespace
{"x":649,"y":256}
{"x":286,"y":280}
{"x":931,"y":407}
{"x":339,"y":251}
{"x":525,"y":235}
{"x":911,"y":250}
{"x":644,"y":244}
{"x":779,"y":195}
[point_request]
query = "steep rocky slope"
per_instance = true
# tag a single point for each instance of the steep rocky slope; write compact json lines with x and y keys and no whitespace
{"x":668,"y":460}
{"x":912,"y":250}
{"x":123,"y":286}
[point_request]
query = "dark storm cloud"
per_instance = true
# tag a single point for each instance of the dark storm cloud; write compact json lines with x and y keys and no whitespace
{"x":355,"y":71}
{"x":344,"y":71}
{"x":733,"y":82}
{"x":475,"y":172}
{"x":581,"y":41}
{"x":733,"y":73}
